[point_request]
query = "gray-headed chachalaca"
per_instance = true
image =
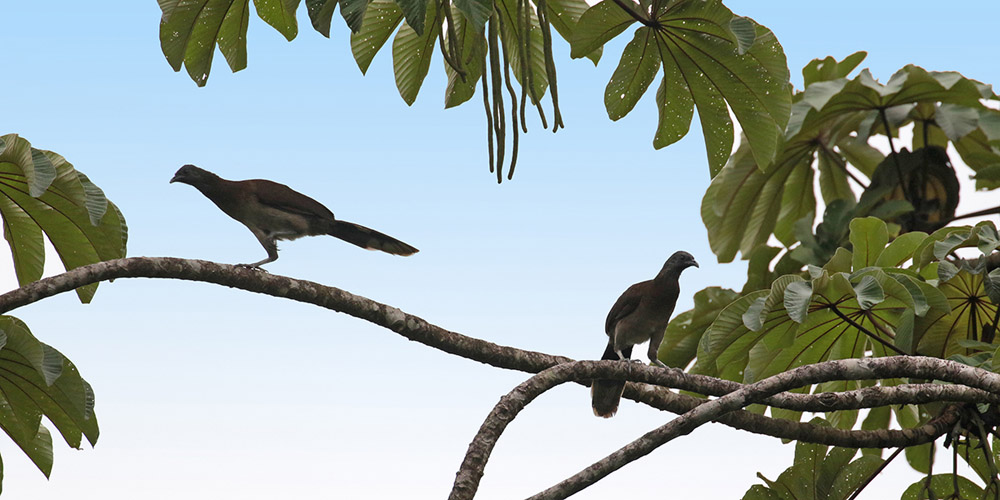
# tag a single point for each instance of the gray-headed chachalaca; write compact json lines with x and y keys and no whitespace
{"x":640,"y":314}
{"x":275,"y":211}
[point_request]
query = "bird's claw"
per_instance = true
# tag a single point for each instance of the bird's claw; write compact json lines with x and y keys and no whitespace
{"x":252,"y":267}
{"x":659,"y":363}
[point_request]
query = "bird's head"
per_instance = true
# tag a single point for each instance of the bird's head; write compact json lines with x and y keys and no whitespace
{"x":190,"y":174}
{"x":679,"y":261}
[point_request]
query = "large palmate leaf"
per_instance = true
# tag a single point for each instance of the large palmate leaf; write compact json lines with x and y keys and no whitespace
{"x":41,"y":193}
{"x":36,"y":381}
{"x":711,"y":59}
{"x":680,"y":342}
{"x":191,"y":29}
{"x":850,"y":307}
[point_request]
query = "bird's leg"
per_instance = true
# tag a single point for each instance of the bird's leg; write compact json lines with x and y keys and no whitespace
{"x":269,"y":244}
{"x":654,"y":348}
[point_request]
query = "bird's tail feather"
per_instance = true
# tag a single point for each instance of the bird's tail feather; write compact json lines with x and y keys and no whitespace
{"x":369,"y":238}
{"x":606,"y":394}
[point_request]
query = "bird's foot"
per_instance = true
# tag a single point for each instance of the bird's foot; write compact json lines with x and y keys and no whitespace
{"x":659,"y":363}
{"x":634,"y":361}
{"x":255,"y":267}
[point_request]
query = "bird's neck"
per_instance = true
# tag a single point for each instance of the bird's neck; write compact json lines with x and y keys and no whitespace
{"x":666,"y":276}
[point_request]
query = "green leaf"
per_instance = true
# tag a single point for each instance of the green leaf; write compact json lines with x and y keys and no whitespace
{"x":900,"y":250}
{"x":380,"y":20}
{"x":742,"y":204}
{"x":280,"y":14}
{"x":680,"y":342}
{"x":353,"y":12}
{"x":321,"y":14}
{"x":797,"y":297}
{"x":956,"y":121}
{"x":472,"y":46}
{"x":965,"y":314}
{"x":411,"y":56}
{"x":745,"y":32}
{"x":232,"y":36}
{"x":37,"y":380}
{"x":696,"y":37}
{"x":868,"y":238}
{"x":415,"y":12}
{"x":597,"y":25}
{"x":829,"y":69}
{"x":636,"y":70}
{"x":869,"y":293}
{"x":564,"y":17}
{"x":511,"y":35}
{"x":476,"y":11}
{"x":190,"y":31}
{"x":943,"y":487}
{"x":65,"y":213}
{"x":676,"y":108}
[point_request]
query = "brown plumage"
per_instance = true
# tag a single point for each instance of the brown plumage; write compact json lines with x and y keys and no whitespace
{"x":275,"y":211}
{"x":640,"y":314}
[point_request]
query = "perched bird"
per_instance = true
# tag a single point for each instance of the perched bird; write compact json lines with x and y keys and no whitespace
{"x":640,"y":314}
{"x":275,"y":211}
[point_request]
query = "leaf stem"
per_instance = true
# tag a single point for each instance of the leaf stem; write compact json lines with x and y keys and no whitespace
{"x":876,"y":473}
{"x":866,"y":331}
{"x":630,"y":9}
{"x":895,"y":156}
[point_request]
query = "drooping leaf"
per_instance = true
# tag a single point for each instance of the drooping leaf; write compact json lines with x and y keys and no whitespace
{"x":943,"y":486}
{"x":638,"y":66}
{"x":280,"y":14}
{"x":35,"y":381}
{"x":353,"y":12}
{"x":472,"y":47}
{"x":411,"y":56}
{"x":415,"y":12}
{"x":380,"y":21}
{"x":321,"y":14}
{"x":476,"y":12}
{"x":65,"y":213}
{"x":565,"y":16}
{"x":596,"y":26}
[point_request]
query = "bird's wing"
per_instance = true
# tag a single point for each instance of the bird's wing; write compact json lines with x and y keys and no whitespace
{"x":282,"y":197}
{"x":624,"y":306}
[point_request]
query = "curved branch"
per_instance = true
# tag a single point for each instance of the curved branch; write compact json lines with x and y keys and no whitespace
{"x":471,"y":471}
{"x":419,"y":330}
{"x":845,"y":369}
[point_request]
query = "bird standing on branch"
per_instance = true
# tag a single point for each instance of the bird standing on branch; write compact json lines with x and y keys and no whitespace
{"x":275,"y":211}
{"x":640,"y":314}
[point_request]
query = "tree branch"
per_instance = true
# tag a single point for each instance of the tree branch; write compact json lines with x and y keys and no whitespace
{"x":470,"y":473}
{"x":844,"y":369}
{"x":419,"y":330}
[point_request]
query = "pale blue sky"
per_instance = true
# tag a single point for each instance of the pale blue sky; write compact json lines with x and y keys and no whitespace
{"x":206,"y":392}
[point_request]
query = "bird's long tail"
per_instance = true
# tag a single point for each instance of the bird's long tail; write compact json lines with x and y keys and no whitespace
{"x":369,"y":238}
{"x":605,"y":394}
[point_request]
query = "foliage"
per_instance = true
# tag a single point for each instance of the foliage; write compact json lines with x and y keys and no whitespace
{"x":711,"y":59}
{"x":41,"y":194}
{"x":819,"y":473}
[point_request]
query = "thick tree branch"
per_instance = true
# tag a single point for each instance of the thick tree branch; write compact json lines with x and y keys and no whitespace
{"x":471,"y":471}
{"x":419,"y":330}
{"x":844,"y":369}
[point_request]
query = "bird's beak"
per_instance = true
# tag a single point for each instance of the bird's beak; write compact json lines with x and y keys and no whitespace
{"x":694,"y":263}
{"x":175,"y":178}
